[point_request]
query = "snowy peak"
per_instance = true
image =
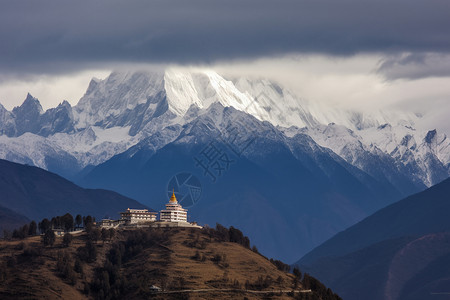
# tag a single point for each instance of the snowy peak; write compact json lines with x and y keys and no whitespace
{"x":92,"y":85}
{"x":108,"y":100}
{"x":27,"y":115}
{"x":202,"y":88}
{"x":263,"y":99}
{"x":30,"y":117}
{"x":135,"y":99}
{"x":124,"y":98}
{"x":181,"y":92}
{"x":59,"y":119}
{"x":29,"y":103}
{"x":422,"y":156}
{"x":281,"y":107}
{"x":125,"y":95}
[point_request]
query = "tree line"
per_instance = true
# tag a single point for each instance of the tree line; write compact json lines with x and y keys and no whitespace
{"x":223,"y":234}
{"x":46,"y":227}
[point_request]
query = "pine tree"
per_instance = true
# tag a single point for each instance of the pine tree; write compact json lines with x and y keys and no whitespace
{"x":67,"y":239}
{"x":49,"y":238}
{"x":32,"y":228}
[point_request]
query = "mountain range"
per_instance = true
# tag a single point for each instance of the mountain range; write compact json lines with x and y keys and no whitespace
{"x":400,"y":252}
{"x":286,"y":170}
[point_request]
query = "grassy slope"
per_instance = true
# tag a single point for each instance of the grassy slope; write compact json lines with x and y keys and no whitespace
{"x":168,"y":261}
{"x":34,"y":278}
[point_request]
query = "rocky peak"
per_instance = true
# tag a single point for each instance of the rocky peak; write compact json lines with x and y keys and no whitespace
{"x":430,"y":137}
{"x":59,"y":119}
{"x":27,"y":116}
{"x":29,"y":105}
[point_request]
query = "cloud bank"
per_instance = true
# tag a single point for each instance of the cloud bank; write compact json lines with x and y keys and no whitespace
{"x":59,"y":36}
{"x":361,"y":53}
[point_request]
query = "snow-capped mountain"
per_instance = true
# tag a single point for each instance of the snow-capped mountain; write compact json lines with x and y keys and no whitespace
{"x":127,"y":107}
{"x":134,"y":130}
{"x":422,"y":156}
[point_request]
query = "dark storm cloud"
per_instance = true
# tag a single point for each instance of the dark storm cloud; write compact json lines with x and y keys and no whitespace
{"x":46,"y":36}
{"x":415,"y":65}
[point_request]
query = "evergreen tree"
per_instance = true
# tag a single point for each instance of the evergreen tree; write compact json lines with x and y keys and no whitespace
{"x":32,"y":228}
{"x":88,"y":222}
{"x":78,"y":220}
{"x":24,"y":231}
{"x":67,"y":222}
{"x":67,"y":239}
{"x":44,"y":225}
{"x":297,"y":273}
{"x":49,"y":238}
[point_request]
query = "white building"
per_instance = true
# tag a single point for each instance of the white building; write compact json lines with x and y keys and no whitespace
{"x":134,"y":216}
{"x":109,"y":223}
{"x":174,"y":212}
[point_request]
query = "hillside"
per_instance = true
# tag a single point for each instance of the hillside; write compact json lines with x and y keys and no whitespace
{"x":37,"y":194}
{"x":127,"y":264}
{"x":397,"y":253}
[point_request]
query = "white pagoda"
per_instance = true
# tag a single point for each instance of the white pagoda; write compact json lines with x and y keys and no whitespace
{"x":174,"y":212}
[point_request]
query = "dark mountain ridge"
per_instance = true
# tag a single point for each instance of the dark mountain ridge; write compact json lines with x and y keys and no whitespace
{"x":37,"y":194}
{"x":389,"y":252}
{"x":10,"y":220}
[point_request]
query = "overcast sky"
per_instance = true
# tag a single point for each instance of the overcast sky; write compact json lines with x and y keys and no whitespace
{"x":355,"y":52}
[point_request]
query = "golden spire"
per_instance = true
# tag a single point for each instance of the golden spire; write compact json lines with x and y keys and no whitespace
{"x":173,"y":199}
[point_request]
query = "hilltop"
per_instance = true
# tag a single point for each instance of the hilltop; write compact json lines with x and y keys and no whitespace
{"x":128,"y":263}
